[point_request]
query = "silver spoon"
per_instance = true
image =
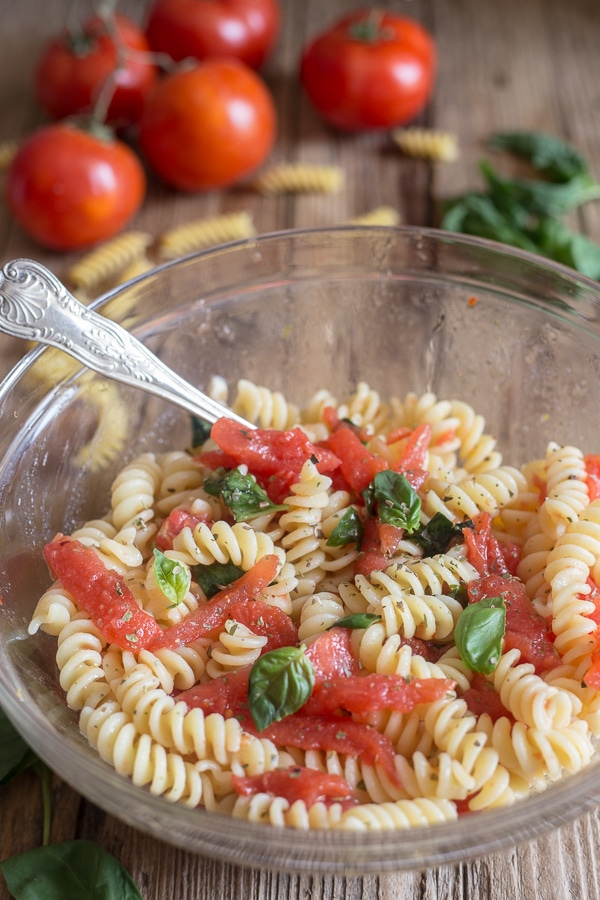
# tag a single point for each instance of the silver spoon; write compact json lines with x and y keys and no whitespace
{"x":36,"y":305}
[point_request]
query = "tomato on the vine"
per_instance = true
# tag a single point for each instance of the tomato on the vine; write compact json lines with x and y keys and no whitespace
{"x":371,"y":69}
{"x":69,"y":188}
{"x":208,"y":126}
{"x":77,"y":66}
{"x":244,"y":29}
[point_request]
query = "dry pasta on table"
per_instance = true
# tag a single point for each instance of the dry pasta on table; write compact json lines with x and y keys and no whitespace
{"x":352,"y":616}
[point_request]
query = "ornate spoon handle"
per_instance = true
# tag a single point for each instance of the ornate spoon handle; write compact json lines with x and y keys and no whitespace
{"x":34,"y":304}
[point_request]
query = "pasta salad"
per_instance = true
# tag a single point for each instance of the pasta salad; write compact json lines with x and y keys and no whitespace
{"x":352,"y":616}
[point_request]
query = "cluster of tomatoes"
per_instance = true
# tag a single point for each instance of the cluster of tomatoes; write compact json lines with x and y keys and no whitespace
{"x":183,"y":97}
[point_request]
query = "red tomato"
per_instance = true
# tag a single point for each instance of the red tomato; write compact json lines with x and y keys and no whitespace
{"x":69,"y":188}
{"x":297,"y":783}
{"x":371,"y":69}
{"x":358,"y":465}
{"x":268,"y":621}
{"x":176,"y":521}
{"x":245,"y":29}
{"x":331,"y":655}
{"x":482,"y":697}
{"x":362,"y":694}
{"x":208,"y":620}
{"x":274,"y":457}
{"x":208,"y":126}
{"x":226,"y":695}
{"x":525,"y":629}
{"x":76,"y":66}
{"x":102,"y":593}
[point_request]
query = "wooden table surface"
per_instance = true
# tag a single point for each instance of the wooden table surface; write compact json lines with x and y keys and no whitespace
{"x":510,"y":64}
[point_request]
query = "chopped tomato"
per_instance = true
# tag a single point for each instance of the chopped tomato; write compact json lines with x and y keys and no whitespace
{"x":482,"y":697}
{"x":592,"y":466}
{"x":413,"y":458}
{"x":297,"y":783}
{"x":274,"y":457}
{"x":376,"y":547}
{"x":362,"y":694}
{"x":209,"y":619}
{"x":226,"y":695}
{"x":525,"y":629}
{"x":102,"y":593}
{"x":339,"y":734}
{"x":176,"y":521}
{"x":483,"y":550}
{"x":331,"y":655}
{"x":268,"y":621}
{"x":330,"y":418}
{"x":358,"y":465}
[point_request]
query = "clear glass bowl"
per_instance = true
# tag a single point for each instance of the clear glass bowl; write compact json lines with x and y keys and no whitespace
{"x":515,"y":336}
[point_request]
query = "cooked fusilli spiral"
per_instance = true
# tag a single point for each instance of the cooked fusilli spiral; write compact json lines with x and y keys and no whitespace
{"x":427,"y":143}
{"x":300,"y":178}
{"x":205,"y":232}
{"x":108,"y":260}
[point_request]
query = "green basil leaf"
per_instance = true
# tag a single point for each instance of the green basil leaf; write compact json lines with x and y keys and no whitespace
{"x":349,"y":530}
{"x":478,"y":634}
{"x":68,"y":871}
{"x":439,"y":533}
{"x":480,"y":215}
{"x":172,"y":577}
{"x":356,"y":620}
{"x":281,"y":681}
{"x":244,"y":497}
{"x":15,"y":754}
{"x":215,"y":577}
{"x":550,"y":155}
{"x":541,"y":198}
{"x":395,"y":499}
{"x":571,"y":248}
{"x":200,"y":431}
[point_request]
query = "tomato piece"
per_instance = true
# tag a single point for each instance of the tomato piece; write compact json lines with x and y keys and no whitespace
{"x":102,"y":593}
{"x":483,"y":550}
{"x":245,"y":29}
{"x":371,"y":69}
{"x":297,"y":783}
{"x":209,"y":619}
{"x":176,"y":521}
{"x":358,"y":465}
{"x":331,"y":655}
{"x":226,"y":695}
{"x":379,"y":543}
{"x":274,"y":457}
{"x":362,"y":694}
{"x":482,"y":697}
{"x":208,"y":126}
{"x":268,"y":621}
{"x":69,"y":188}
{"x":336,"y":733}
{"x":412,"y":460}
{"x":592,"y":466}
{"x":525,"y":629}
{"x":78,"y":64}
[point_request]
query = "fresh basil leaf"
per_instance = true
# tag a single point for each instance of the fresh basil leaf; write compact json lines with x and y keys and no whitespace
{"x":569,"y":247}
{"x":215,"y":577}
{"x":541,"y":198}
{"x":550,"y":155}
{"x":200,"y":431}
{"x":396,"y":501}
{"x":172,"y":577}
{"x":15,"y":754}
{"x":68,"y":871}
{"x":281,"y":681}
{"x":349,"y":530}
{"x":439,"y":533}
{"x":478,"y":634}
{"x":356,"y":620}
{"x":244,"y":497}
{"x":479,"y":214}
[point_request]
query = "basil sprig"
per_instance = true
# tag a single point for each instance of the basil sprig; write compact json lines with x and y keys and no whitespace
{"x":439,"y":533}
{"x":479,"y":632}
{"x":244,"y":497}
{"x":349,"y":530}
{"x":215,"y":577}
{"x":172,"y":577}
{"x":281,"y":681}
{"x":525,"y":212}
{"x":395,"y":501}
